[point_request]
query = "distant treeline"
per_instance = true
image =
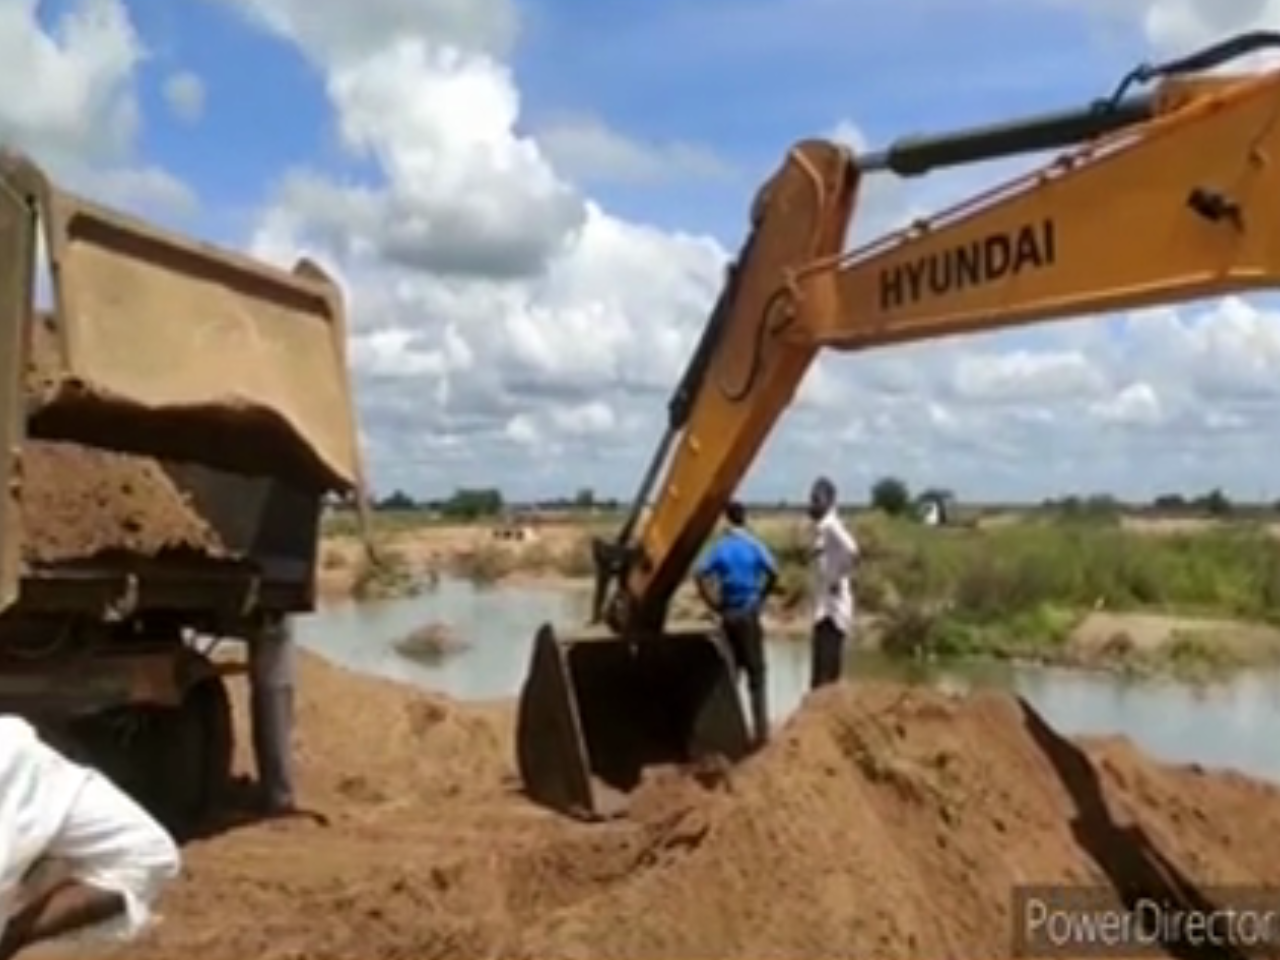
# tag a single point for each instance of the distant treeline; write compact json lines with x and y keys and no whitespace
{"x":889,"y":494}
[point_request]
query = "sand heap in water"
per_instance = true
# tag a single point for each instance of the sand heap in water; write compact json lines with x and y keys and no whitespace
{"x":883,"y":822}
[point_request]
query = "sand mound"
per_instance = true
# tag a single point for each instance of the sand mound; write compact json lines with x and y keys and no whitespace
{"x":882,"y":822}
{"x":391,"y":744}
{"x":891,"y":823}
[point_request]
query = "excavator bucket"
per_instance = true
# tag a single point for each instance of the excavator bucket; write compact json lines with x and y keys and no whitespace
{"x":597,"y":709}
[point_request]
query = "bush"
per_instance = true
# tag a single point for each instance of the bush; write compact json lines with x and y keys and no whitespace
{"x":383,"y":575}
{"x":472,"y":504}
{"x":577,"y":559}
{"x":484,"y":565}
{"x":1019,"y":589}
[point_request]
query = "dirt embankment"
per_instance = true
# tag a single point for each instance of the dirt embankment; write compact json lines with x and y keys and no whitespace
{"x":882,"y":822}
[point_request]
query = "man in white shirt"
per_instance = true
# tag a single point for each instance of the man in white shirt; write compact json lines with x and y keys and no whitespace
{"x":834,"y":556}
{"x":111,"y":858}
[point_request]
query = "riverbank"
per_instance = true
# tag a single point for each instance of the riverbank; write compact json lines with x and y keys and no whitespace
{"x":883,"y":821}
{"x":1190,"y":602}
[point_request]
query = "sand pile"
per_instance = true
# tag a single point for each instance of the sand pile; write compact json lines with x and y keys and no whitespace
{"x":890,"y":823}
{"x":882,"y":823}
{"x":80,"y":502}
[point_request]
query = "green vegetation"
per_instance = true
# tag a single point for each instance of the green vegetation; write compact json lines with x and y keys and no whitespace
{"x":1018,"y":590}
{"x":1005,"y":582}
{"x":384,"y":575}
{"x":891,"y":496}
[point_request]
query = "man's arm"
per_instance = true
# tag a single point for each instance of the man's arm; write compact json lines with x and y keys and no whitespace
{"x":69,"y":905}
{"x":769,"y":571}
{"x":115,"y":860}
{"x":706,"y":578}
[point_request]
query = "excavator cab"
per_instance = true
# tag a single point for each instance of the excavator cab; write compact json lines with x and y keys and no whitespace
{"x":597,"y":708}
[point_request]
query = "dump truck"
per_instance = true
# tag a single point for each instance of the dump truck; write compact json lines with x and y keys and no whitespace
{"x":1163,"y":191}
{"x":172,"y":422}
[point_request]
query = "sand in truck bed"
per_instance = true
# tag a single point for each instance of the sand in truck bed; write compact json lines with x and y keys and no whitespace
{"x":79,"y":503}
{"x":84,"y":503}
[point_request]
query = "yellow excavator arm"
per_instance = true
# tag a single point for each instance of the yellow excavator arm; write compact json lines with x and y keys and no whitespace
{"x":1163,"y":197}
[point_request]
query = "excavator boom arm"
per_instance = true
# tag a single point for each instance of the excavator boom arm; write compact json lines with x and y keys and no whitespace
{"x":1169,"y":201}
{"x":1171,"y":198}
{"x":1181,"y":209}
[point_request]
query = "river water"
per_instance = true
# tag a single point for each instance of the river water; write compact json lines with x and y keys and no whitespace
{"x":1232,"y":724}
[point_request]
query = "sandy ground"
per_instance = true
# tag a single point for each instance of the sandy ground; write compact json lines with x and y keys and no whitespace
{"x":881,"y":822}
{"x":1150,"y":632}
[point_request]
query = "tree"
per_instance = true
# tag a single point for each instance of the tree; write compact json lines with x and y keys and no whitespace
{"x":399,"y":500}
{"x":891,"y":495}
{"x":1215,"y":503}
{"x":473,"y":503}
{"x":584,"y":499}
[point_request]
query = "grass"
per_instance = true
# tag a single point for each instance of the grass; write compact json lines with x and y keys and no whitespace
{"x":1017,"y":591}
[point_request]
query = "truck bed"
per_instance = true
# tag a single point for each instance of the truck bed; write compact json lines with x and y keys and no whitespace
{"x":95,"y":526}
{"x":82,"y":503}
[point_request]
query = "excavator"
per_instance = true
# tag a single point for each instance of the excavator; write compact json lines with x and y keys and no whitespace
{"x":1168,"y":190}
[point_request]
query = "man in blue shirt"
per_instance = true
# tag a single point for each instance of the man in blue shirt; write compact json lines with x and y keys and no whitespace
{"x":734,"y":579}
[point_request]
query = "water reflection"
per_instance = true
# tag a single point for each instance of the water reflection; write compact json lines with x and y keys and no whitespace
{"x":1235,"y":724}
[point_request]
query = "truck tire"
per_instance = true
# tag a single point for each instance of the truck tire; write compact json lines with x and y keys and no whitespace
{"x":193,"y":757}
{"x":173,"y":761}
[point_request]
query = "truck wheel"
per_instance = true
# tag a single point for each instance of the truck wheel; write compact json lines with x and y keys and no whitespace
{"x":173,"y":761}
{"x":194,"y":756}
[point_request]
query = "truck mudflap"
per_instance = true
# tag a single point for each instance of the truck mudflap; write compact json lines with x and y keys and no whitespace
{"x":596,"y":710}
{"x":175,"y":349}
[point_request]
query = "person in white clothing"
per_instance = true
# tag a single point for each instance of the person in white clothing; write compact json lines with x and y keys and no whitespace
{"x":834,"y":556}
{"x":110,"y":859}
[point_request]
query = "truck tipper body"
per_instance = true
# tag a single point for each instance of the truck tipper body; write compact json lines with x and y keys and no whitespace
{"x":171,"y":424}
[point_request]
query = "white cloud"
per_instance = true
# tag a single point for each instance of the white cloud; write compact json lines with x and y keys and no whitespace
{"x":1138,"y":403}
{"x":1180,"y":26}
{"x":508,"y":328}
{"x":332,"y":32}
{"x":77,"y":112}
{"x":184,"y":92}
{"x":1173,"y":28}
{"x":1025,"y":376}
{"x":587,"y":149}
{"x":77,"y":96}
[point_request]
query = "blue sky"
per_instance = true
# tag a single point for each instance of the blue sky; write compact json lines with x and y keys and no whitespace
{"x":752,"y":77}
{"x":746,"y":78}
{"x":265,"y":109}
{"x":531,"y":223}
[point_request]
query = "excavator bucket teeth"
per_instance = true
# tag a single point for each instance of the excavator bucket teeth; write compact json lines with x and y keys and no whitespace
{"x":597,"y":709}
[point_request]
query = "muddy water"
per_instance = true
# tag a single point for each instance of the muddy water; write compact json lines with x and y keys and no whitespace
{"x":1233,"y":724}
